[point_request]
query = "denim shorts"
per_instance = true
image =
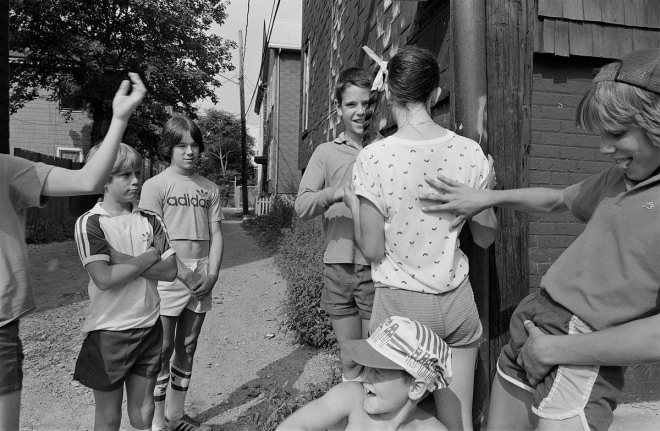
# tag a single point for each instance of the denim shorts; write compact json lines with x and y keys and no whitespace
{"x":11,"y":359}
{"x":108,"y":357}
{"x":589,"y":392}
{"x":348,"y":289}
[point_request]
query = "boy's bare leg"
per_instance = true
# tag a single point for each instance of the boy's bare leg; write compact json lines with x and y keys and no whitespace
{"x":107,"y":412}
{"x":188,"y":329}
{"x":510,"y":407}
{"x":454,"y":403}
{"x":10,"y":408}
{"x":350,"y":327}
{"x":365,"y":328}
{"x":140,"y":400}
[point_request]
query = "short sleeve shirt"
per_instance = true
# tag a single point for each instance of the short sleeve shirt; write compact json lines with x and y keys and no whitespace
{"x":187,"y":204}
{"x":21,"y":183}
{"x":611,"y":273}
{"x":135,"y":304}
{"x":421,"y":253}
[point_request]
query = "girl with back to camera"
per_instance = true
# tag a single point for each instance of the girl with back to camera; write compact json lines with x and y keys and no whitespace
{"x":418,"y":268}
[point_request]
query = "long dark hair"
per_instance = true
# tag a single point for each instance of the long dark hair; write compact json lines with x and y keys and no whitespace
{"x":173,"y":134}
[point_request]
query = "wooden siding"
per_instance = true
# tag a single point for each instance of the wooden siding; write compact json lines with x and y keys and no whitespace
{"x":596,"y":28}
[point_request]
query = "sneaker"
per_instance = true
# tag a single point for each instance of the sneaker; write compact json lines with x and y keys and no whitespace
{"x":186,"y":423}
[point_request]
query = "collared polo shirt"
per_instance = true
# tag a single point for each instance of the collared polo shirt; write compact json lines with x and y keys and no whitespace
{"x":329,"y":169}
{"x":611,"y":272}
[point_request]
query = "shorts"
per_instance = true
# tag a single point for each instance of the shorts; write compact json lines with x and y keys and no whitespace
{"x":452,"y":315}
{"x":108,"y":357}
{"x":175,"y":295}
{"x":590,"y":392}
{"x":11,"y":359}
{"x":348,"y":289}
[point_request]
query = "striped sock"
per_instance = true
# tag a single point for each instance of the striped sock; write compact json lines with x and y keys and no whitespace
{"x":176,"y":393}
{"x":160,"y":390}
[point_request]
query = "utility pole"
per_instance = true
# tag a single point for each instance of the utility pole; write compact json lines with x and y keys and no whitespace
{"x":244,"y":170}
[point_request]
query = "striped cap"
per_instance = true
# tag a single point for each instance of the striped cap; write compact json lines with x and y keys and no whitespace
{"x":403,"y":344}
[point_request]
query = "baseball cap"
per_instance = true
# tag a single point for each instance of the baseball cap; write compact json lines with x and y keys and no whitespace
{"x":639,"y":68}
{"x":400,"y":343}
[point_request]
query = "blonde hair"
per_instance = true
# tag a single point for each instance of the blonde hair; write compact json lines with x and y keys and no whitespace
{"x":611,"y":107}
{"x":128,"y":159}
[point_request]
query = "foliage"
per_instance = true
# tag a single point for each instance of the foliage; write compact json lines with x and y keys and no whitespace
{"x":221,"y":160}
{"x":268,"y":228}
{"x":300,"y":260}
{"x":69,"y":47}
{"x":43,"y":231}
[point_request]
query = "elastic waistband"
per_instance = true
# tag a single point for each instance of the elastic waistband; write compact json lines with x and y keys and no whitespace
{"x":552,"y":305}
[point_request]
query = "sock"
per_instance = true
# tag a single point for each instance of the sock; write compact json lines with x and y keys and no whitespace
{"x":130,"y":427}
{"x":176,"y":393}
{"x":158,"y":422}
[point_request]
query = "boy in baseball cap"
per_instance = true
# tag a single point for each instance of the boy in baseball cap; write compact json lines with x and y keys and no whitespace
{"x":403,"y":361}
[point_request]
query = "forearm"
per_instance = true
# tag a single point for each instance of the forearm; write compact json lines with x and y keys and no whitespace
{"x":312,"y":203}
{"x":107,"y":276}
{"x":537,"y":199}
{"x":216,"y":253}
{"x":164,"y":270}
{"x":630,"y":344}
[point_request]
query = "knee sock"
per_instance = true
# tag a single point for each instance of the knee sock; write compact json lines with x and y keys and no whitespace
{"x":159,"y":402}
{"x":176,"y":393}
{"x":132,"y":428}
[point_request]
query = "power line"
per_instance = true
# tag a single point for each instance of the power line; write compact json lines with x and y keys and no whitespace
{"x":247,"y":21}
{"x":263,"y":55}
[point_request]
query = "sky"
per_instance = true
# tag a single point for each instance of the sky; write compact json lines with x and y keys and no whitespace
{"x":237,"y":18}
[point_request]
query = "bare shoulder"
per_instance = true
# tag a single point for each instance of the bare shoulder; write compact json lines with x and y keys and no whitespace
{"x":426,"y":422}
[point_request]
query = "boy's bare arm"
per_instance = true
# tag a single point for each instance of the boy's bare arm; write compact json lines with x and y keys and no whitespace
{"x":324,"y":412}
{"x":107,"y":276}
{"x":203,"y":287}
{"x":163,"y":270}
{"x":465,"y":201}
{"x":94,"y":174}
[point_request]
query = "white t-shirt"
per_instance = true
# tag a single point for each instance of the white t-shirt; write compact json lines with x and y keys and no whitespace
{"x":421,"y":254}
{"x":134,"y":304}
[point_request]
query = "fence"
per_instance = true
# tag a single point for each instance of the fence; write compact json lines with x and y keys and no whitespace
{"x":263,"y":204}
{"x":59,"y":208}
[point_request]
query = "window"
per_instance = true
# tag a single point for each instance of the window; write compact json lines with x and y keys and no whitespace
{"x":70,"y":99}
{"x":74,"y":154}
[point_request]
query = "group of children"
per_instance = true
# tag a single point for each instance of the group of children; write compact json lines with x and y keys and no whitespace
{"x":396,"y":281}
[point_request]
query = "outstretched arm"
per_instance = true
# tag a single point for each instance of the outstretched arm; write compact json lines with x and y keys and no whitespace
{"x":326,"y":411}
{"x":94,"y":174}
{"x":632,"y":343}
{"x":465,"y":201}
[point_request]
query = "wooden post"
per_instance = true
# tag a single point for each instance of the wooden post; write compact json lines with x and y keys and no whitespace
{"x":509,"y":60}
{"x":244,"y":171}
{"x":468,"y":51}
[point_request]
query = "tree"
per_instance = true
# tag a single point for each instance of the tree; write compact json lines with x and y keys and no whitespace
{"x":222,"y":138}
{"x":87,"y":47}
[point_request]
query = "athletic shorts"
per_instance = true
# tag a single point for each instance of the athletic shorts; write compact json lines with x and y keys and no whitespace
{"x":175,"y":295}
{"x":452,"y":315}
{"x":348,"y":289}
{"x":590,"y":392}
{"x":108,"y":357}
{"x":11,"y":359}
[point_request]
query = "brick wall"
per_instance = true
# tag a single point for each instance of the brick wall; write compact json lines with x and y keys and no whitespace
{"x":4,"y":76}
{"x":40,"y":126}
{"x":288,"y":134}
{"x":559,"y":154}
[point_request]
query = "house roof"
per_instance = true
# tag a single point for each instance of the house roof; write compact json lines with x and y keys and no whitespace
{"x":597,"y":28}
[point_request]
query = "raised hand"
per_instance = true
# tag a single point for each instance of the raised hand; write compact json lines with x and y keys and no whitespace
{"x":128,"y":97}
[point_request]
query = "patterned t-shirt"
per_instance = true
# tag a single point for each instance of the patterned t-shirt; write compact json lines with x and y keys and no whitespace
{"x":421,"y":254}
{"x":135,"y":304}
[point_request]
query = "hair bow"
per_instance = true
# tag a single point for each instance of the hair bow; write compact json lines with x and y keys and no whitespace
{"x":379,"y":80}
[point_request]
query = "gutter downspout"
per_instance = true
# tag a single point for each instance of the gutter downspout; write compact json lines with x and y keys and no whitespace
{"x":468,"y":58}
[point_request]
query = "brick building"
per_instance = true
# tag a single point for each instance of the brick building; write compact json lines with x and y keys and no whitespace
{"x":278,"y":103}
{"x":4,"y":76}
{"x":532,"y":61}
